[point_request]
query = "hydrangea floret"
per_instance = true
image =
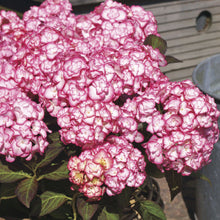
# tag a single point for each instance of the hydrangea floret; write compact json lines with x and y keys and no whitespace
{"x":95,"y":75}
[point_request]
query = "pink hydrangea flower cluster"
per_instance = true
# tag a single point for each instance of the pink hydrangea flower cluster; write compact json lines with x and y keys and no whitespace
{"x":107,"y":168}
{"x":22,"y":130}
{"x":183,"y":124}
{"x":70,"y":60}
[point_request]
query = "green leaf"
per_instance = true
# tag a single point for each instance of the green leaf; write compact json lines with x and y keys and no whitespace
{"x":174,"y":181}
{"x":9,"y":176}
{"x":156,"y":42}
{"x":54,"y":137}
{"x":7,"y":189}
{"x":51,"y":153}
{"x":86,"y":209}
{"x":150,"y":210}
{"x":26,"y":190}
{"x":63,"y":212}
{"x":58,"y":174}
{"x":153,"y":171}
{"x":35,"y":207}
{"x":171,"y":59}
{"x":50,"y":201}
{"x":105,"y":215}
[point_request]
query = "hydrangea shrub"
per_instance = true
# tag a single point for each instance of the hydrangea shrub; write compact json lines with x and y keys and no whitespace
{"x":83,"y":100}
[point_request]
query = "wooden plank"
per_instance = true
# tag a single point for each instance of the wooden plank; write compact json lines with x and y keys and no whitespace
{"x":207,"y":36}
{"x":183,"y":23}
{"x":187,"y":32}
{"x":181,"y":6}
{"x":193,"y":46}
{"x":180,"y":16}
{"x":204,"y":52}
{"x":192,"y":60}
{"x":180,"y":74}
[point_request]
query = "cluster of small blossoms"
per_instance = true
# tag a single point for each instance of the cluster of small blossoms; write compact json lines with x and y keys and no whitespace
{"x":22,"y":130}
{"x":68,"y":60}
{"x":183,"y":124}
{"x":107,"y":168}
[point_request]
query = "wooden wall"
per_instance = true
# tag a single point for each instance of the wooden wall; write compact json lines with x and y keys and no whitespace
{"x":177,"y":25}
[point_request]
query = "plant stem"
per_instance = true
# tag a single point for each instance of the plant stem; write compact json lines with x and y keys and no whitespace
{"x":74,"y":206}
{"x":7,"y":197}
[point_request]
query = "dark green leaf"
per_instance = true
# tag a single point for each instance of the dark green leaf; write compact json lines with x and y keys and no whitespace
{"x":153,"y":171}
{"x":51,"y":153}
{"x":105,"y":215}
{"x":9,"y":176}
{"x":174,"y":181}
{"x":26,"y":190}
{"x":63,"y":212}
{"x":150,"y":210}
{"x":171,"y":59}
{"x":54,"y":137}
{"x":156,"y":42}
{"x":86,"y":209}
{"x":50,"y":201}
{"x":7,"y":189}
{"x":58,"y":174}
{"x":35,"y":207}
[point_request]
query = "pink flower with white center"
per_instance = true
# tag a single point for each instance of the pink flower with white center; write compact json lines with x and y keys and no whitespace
{"x":184,"y":150}
{"x":191,"y":93}
{"x":77,"y":177}
{"x":84,"y":25}
{"x":93,"y":192}
{"x":127,"y":123}
{"x":64,"y":119}
{"x":88,"y":113}
{"x":101,"y":90}
{"x":173,"y":122}
{"x":154,"y":150}
{"x":190,"y":122}
{"x":85,"y":133}
{"x":73,"y":67}
{"x":173,"y":104}
{"x":49,"y":35}
{"x":114,"y":14}
{"x":199,"y":105}
{"x":123,"y":174}
{"x":74,"y":94}
{"x":104,"y":159}
{"x":146,"y":108}
{"x":156,"y":123}
{"x":137,"y":68}
{"x":51,"y":50}
{"x":184,"y":108}
{"x":93,"y":170}
{"x":73,"y":163}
